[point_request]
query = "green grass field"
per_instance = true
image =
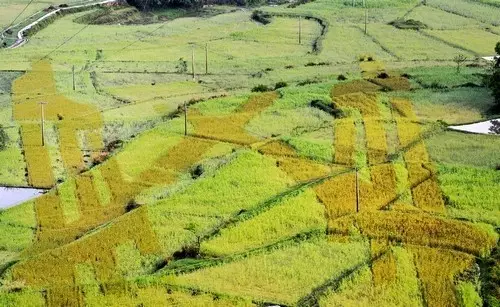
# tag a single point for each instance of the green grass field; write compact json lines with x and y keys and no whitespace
{"x":319,"y":173}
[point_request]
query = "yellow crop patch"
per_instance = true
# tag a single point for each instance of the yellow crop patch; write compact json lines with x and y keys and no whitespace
{"x":366,"y":103}
{"x":355,"y":86}
{"x":231,"y":127}
{"x":437,"y":269}
{"x":395,"y":83}
{"x":338,"y":195}
{"x":380,"y":191}
{"x":56,"y":268}
{"x":38,"y":86}
{"x":301,"y":169}
{"x":420,"y":229}
{"x":384,"y":269}
{"x":277,"y":148}
{"x":376,"y":141}
{"x":345,"y":141}
{"x":37,"y":157}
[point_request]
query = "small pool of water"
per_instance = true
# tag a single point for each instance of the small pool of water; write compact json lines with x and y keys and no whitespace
{"x":10,"y":197}
{"x":480,"y":128}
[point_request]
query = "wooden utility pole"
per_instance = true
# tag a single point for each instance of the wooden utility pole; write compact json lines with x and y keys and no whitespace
{"x":300,"y":30}
{"x":366,"y":21}
{"x":185,"y":119}
{"x":192,"y":64}
{"x":357,"y":190}
{"x":73,"y":77}
{"x":206,"y":58}
{"x":42,"y":118}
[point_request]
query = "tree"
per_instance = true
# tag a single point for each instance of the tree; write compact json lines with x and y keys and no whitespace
{"x":182,"y":66}
{"x":459,"y":59}
{"x":494,"y":80}
{"x":496,"y":127}
{"x":4,"y":138}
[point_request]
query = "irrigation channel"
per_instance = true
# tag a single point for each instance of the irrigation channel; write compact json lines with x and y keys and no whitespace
{"x":10,"y":197}
{"x":479,"y":128}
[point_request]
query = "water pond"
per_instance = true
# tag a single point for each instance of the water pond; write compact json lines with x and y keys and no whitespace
{"x":10,"y":197}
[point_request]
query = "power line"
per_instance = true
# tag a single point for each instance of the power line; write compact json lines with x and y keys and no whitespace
{"x":18,"y":15}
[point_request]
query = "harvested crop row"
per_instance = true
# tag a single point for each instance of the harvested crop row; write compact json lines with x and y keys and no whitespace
{"x":437,"y":269}
{"x":345,"y":141}
{"x":37,"y":157}
{"x":376,"y":141}
{"x":421,"y":229}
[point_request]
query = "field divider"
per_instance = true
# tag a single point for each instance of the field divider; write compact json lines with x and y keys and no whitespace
{"x":377,"y":42}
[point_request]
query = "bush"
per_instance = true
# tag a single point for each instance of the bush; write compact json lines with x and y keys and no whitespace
{"x":261,"y":88}
{"x":341,"y":78}
{"x":4,"y":138}
{"x":197,"y":171}
{"x":408,"y":24}
{"x":280,"y":85}
{"x":326,"y":107}
{"x":383,"y":75}
{"x":307,"y":82}
{"x":262,"y":17}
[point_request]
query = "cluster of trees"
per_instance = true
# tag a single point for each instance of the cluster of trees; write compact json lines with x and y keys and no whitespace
{"x":145,"y":5}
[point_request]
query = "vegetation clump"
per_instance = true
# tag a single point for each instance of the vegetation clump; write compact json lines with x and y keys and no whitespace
{"x":408,"y":24}
{"x":261,"y":17}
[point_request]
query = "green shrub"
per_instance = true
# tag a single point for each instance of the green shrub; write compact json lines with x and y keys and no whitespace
{"x":261,"y":88}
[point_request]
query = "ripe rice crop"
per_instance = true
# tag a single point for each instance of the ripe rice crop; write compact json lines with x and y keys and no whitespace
{"x":301,"y":169}
{"x":427,"y":196}
{"x":232,"y":127}
{"x":421,"y":229}
{"x":351,"y":87}
{"x":437,"y":269}
{"x":376,"y":141}
{"x":56,"y":268}
{"x":345,"y":141}
{"x":397,"y":287}
{"x":384,"y":269}
{"x":180,"y":157}
{"x":380,"y":191}
{"x":37,"y":157}
{"x":39,"y":85}
{"x":403,"y":108}
{"x":277,"y":148}
{"x":366,"y":103}
{"x":395,"y":83}
{"x":338,"y":195}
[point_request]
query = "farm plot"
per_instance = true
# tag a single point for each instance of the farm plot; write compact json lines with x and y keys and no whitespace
{"x":438,"y":19}
{"x":476,"y":40}
{"x":470,"y":9}
{"x":411,"y":45}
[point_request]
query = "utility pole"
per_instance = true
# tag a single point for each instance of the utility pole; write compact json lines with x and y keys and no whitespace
{"x":42,"y":118}
{"x":206,"y":58}
{"x":357,"y":190}
{"x":185,"y":120}
{"x":366,"y":21}
{"x":300,"y":30}
{"x":192,"y":64}
{"x":73,"y":77}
